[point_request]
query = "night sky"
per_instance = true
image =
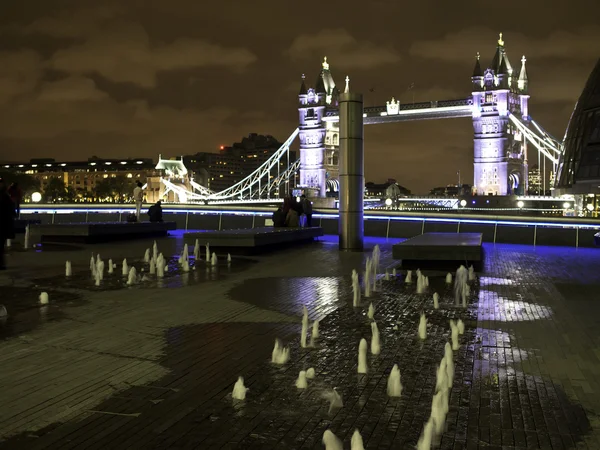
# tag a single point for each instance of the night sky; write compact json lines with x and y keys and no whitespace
{"x":139,"y":78}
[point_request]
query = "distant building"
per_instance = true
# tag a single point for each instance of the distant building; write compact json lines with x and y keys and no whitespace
{"x":535,"y":181}
{"x":82,"y":176}
{"x":219,"y":171}
{"x":390,"y":189}
{"x":452,"y":190}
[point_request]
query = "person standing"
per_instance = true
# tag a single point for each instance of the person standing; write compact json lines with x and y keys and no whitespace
{"x":138,"y":197}
{"x":7,"y":221}
{"x":307,"y":209}
{"x":15,"y":194}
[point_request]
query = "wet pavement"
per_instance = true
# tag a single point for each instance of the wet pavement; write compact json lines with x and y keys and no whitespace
{"x":153,"y":365}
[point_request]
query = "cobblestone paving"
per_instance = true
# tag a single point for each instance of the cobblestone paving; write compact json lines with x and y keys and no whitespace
{"x":151,"y":367}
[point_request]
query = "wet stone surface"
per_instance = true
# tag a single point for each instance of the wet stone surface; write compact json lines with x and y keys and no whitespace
{"x":157,"y":372}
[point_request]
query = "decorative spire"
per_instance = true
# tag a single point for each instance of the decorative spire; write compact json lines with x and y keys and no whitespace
{"x":522,"y":81}
{"x":325,"y":63}
{"x":347,"y":88}
{"x":303,"y":90}
{"x":500,"y":41}
{"x":477,"y":69}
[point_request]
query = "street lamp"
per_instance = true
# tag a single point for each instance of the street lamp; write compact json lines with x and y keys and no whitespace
{"x":36,"y":197}
{"x":520,"y":203}
{"x":463,"y":203}
{"x":388,"y":202}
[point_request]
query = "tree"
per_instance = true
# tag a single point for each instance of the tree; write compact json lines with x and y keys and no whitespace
{"x":27,"y":183}
{"x":117,"y":188}
{"x":55,"y":190}
{"x":104,"y":189}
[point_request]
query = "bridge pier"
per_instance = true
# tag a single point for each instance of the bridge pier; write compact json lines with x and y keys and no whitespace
{"x":352,"y":179}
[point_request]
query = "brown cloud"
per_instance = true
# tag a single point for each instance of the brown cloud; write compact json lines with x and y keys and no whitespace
{"x":123,"y":52}
{"x":342,"y":50}
{"x":19,"y":73}
{"x":582,"y":44}
{"x":72,"y":89}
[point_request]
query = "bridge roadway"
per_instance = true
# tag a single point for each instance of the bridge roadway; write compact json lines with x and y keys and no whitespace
{"x":566,"y":231}
{"x":444,"y":109}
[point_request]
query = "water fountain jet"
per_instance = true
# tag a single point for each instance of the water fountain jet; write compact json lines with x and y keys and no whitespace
{"x":304,"y":327}
{"x":310,"y":373}
{"x":375,"y":342}
{"x":357,"y":441}
{"x":44,"y":298}
{"x":132,"y":276}
{"x":355,"y":288}
{"x":423,"y":327}
{"x":125,"y":270}
{"x":111,"y":266}
{"x":394,"y":385}
{"x":371,"y":311}
{"x":147,"y":256}
{"x":331,"y":441}
{"x":68,"y":269}
{"x":408,"y":279}
{"x":362,"y":356}
{"x":239,"y":390}
{"x":213,"y":260}
{"x":280,"y":354}
{"x":436,"y":300}
{"x":301,"y":382}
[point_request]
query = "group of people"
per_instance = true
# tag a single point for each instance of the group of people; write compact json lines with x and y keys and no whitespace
{"x":292,"y":211}
{"x":10,"y":203}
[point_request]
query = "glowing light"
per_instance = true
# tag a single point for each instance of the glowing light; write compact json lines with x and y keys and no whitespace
{"x":388,"y":202}
{"x":566,"y":205}
{"x":520,"y":203}
{"x":463,"y":203}
{"x":36,"y":197}
{"x":222,"y":147}
{"x":590,"y":207}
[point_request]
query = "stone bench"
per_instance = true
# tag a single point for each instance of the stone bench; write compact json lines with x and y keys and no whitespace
{"x":90,"y":233}
{"x":253,"y":240}
{"x":440,"y":249}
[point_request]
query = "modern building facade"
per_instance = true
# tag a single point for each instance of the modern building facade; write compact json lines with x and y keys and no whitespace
{"x":579,"y":167}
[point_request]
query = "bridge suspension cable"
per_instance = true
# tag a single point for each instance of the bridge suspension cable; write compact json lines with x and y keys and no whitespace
{"x":544,"y":142}
{"x":254,"y":181}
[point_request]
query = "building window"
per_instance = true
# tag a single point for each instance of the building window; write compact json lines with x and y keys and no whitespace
{"x":489,"y":98}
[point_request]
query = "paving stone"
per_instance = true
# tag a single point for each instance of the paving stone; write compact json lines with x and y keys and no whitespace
{"x":153,"y":365}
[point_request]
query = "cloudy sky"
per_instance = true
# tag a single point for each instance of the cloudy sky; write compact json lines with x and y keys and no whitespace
{"x":142,"y":77}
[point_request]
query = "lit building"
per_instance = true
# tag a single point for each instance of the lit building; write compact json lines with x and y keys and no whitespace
{"x":83,"y":176}
{"x":390,"y":189}
{"x":535,"y":181}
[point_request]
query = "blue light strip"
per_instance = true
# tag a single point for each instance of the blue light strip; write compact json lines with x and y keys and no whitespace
{"x":29,"y":210}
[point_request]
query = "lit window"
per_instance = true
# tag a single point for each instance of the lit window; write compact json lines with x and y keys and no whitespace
{"x":220,"y":176}
{"x":105,"y":176}
{"x":129,"y":175}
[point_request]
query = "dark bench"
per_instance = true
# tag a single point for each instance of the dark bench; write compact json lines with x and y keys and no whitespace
{"x":253,"y":240}
{"x":21,"y":224}
{"x":443,"y":250}
{"x":91,"y":233}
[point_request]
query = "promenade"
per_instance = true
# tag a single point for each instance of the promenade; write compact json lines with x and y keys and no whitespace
{"x":152,"y":366}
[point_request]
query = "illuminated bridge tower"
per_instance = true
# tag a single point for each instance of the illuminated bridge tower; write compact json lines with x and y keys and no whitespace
{"x":317,"y":164}
{"x":500,"y":151}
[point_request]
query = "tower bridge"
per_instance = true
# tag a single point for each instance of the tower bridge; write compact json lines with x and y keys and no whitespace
{"x":498,"y":105}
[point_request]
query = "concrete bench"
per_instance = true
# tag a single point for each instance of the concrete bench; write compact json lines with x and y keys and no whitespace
{"x":440,"y":249}
{"x":90,"y":233}
{"x":253,"y":240}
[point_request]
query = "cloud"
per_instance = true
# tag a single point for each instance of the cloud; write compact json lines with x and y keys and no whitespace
{"x":74,"y":22}
{"x":582,"y":44}
{"x":123,"y":53}
{"x":72,"y":89}
{"x":20,"y":72}
{"x":342,"y":50}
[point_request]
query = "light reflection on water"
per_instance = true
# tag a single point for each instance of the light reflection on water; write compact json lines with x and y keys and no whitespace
{"x":494,"y":307}
{"x":488,"y":281}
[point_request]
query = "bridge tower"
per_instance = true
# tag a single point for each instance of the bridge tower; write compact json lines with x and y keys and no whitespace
{"x":500,"y":151}
{"x":315,"y":163}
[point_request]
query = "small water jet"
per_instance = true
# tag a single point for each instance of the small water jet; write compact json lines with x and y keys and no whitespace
{"x":93,"y":264}
{"x":394,"y":385}
{"x":185,"y":254}
{"x":213,"y":260}
{"x":239,"y":390}
{"x":132,"y":277}
{"x":111,"y":266}
{"x":454,"y":335}
{"x":426,"y":281}
{"x":371,"y":311}
{"x":280,"y":354}
{"x":304,"y":327}
{"x":449,"y":278}
{"x":152,"y":269}
{"x":3,"y":311}
{"x":436,"y":300}
{"x":471,"y":275}
{"x":460,"y":283}
{"x":97,"y":278}
{"x":310,"y":373}
{"x":423,"y":327}
{"x":420,"y":284}
{"x":68,"y":269}
{"x":185,"y":266}
{"x":426,"y":436}
{"x":44,"y":298}
{"x":160,"y":266}
{"x":335,"y":399}
{"x":355,"y":288}
{"x":27,"y":238}
{"x":375,"y":342}
{"x":315,"y":330}
{"x":228,"y":258}
{"x":154,"y":251}
{"x":125,"y":270}
{"x":331,"y":441}
{"x":196,"y":250}
{"x":100,"y":269}
{"x":394,"y":273}
{"x":357,"y":441}
{"x":147,"y":256}
{"x":301,"y":382}
{"x":408,"y":279}
{"x":367,"y":278}
{"x":8,"y":243}
{"x":207,"y":252}
{"x":439,"y":409}
{"x":362,"y":356}
{"x":387,"y":275}
{"x":461,"y":326}
{"x":441,"y":379}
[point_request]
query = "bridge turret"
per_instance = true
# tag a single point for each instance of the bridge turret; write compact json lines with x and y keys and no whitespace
{"x":477,"y":76}
{"x":522,"y":83}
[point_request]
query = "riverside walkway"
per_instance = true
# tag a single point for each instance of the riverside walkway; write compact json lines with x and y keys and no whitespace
{"x":152,"y":366}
